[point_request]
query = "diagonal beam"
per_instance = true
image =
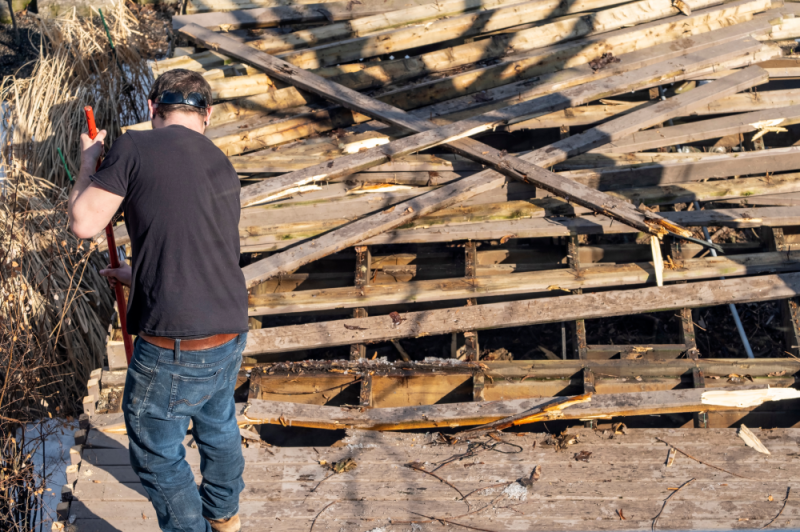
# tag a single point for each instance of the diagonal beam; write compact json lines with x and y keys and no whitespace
{"x":602,"y":86}
{"x":353,"y":233}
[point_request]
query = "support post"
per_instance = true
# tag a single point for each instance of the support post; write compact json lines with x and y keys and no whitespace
{"x":588,"y":387}
{"x":699,"y":381}
{"x":579,"y":326}
{"x":365,"y":395}
{"x":775,"y":240}
{"x":363,"y":259}
{"x":471,"y":344}
{"x":688,"y":338}
{"x":478,"y":380}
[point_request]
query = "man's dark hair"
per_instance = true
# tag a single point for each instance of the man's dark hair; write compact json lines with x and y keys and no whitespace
{"x":183,"y":81}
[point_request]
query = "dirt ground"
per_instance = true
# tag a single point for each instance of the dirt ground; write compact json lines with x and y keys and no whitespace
{"x":19,"y":50}
{"x":18,"y":53}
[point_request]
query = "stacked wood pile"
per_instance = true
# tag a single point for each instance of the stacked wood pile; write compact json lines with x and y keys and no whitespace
{"x":418,"y":169}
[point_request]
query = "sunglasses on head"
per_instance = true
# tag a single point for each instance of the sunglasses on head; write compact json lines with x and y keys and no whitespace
{"x":195,"y":99}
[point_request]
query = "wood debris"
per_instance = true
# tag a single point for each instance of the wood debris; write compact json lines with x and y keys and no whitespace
{"x":751,"y":440}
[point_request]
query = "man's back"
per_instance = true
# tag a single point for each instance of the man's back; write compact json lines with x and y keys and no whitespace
{"x":182,"y":214}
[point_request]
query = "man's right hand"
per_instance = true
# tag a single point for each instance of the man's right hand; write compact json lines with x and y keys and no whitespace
{"x":122,"y":274}
{"x":92,"y":149}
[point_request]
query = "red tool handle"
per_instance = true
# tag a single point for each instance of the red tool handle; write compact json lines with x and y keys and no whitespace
{"x":122,"y":307}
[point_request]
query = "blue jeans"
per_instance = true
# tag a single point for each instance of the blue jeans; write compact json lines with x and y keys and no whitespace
{"x":164,"y":390}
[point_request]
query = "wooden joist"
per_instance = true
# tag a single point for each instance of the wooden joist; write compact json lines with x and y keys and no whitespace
{"x":713,"y":128}
{"x":694,"y":169}
{"x":591,"y":277}
{"x":590,"y":114}
{"x":526,"y":312}
{"x":516,"y":222}
{"x":478,"y":413}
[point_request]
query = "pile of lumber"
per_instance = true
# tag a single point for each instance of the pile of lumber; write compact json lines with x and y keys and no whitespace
{"x":359,"y":128}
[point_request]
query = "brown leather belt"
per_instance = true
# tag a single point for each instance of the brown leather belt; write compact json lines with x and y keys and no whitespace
{"x":189,"y":345}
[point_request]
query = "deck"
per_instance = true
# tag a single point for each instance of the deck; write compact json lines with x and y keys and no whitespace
{"x":621,"y":485}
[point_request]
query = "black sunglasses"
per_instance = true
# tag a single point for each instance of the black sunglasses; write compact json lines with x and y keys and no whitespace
{"x":195,"y":99}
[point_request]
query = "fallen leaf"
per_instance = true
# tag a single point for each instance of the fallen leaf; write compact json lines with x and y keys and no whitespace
{"x":343,"y":466}
{"x":621,"y":517}
{"x":396,"y":319}
{"x":582,"y":456}
{"x":769,"y":498}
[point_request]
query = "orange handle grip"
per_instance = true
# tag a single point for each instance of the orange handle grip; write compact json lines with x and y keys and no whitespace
{"x":122,"y":307}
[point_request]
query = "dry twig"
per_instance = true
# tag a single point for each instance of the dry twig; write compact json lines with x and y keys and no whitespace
{"x":782,"y":508}
{"x":655,"y":519}
{"x":704,"y":463}
{"x":320,"y":513}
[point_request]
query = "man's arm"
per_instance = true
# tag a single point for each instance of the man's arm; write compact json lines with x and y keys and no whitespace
{"x":90,"y":207}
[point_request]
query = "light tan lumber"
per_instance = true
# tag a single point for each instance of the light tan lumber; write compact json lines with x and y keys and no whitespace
{"x":537,"y":227}
{"x":706,"y":129}
{"x":594,"y":277}
{"x":475,"y":24}
{"x":691,"y":169}
{"x":518,"y":313}
{"x":203,"y":6}
{"x":272,"y":188}
{"x":590,"y":114}
{"x":440,"y":198}
{"x":270,"y":17}
{"x":443,"y":12}
{"x":466,"y":414}
{"x":351,"y":234}
{"x":543,"y":62}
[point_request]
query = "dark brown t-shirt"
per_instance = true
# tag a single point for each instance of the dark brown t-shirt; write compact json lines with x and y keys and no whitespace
{"x":182,"y":214}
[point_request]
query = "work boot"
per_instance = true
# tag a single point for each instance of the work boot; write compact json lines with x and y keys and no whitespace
{"x":232,"y":524}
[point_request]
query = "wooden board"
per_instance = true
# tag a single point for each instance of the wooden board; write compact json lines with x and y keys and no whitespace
{"x":599,"y":276}
{"x":528,"y":312}
{"x":705,"y":129}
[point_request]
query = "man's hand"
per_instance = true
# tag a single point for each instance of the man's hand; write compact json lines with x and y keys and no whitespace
{"x":122,"y":274}
{"x":92,"y":150}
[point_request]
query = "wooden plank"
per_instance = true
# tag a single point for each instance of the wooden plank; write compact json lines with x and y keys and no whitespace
{"x":590,"y":277}
{"x":465,"y":414}
{"x":704,"y":167}
{"x":725,"y":23}
{"x":201,"y":6}
{"x":514,"y":167}
{"x":363,"y":18}
{"x":602,"y":20}
{"x":270,"y":17}
{"x":702,"y":130}
{"x":591,"y":114}
{"x":527,"y":312}
{"x":541,"y":65}
{"x":348,"y":165}
{"x":528,"y":225}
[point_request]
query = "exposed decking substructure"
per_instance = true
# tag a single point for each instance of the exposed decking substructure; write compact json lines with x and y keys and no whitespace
{"x":366,"y":242}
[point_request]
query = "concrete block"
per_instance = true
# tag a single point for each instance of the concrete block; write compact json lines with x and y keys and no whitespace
{"x":115,"y":350}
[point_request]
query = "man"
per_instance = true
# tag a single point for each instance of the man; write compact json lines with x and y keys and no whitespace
{"x":188,"y":302}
